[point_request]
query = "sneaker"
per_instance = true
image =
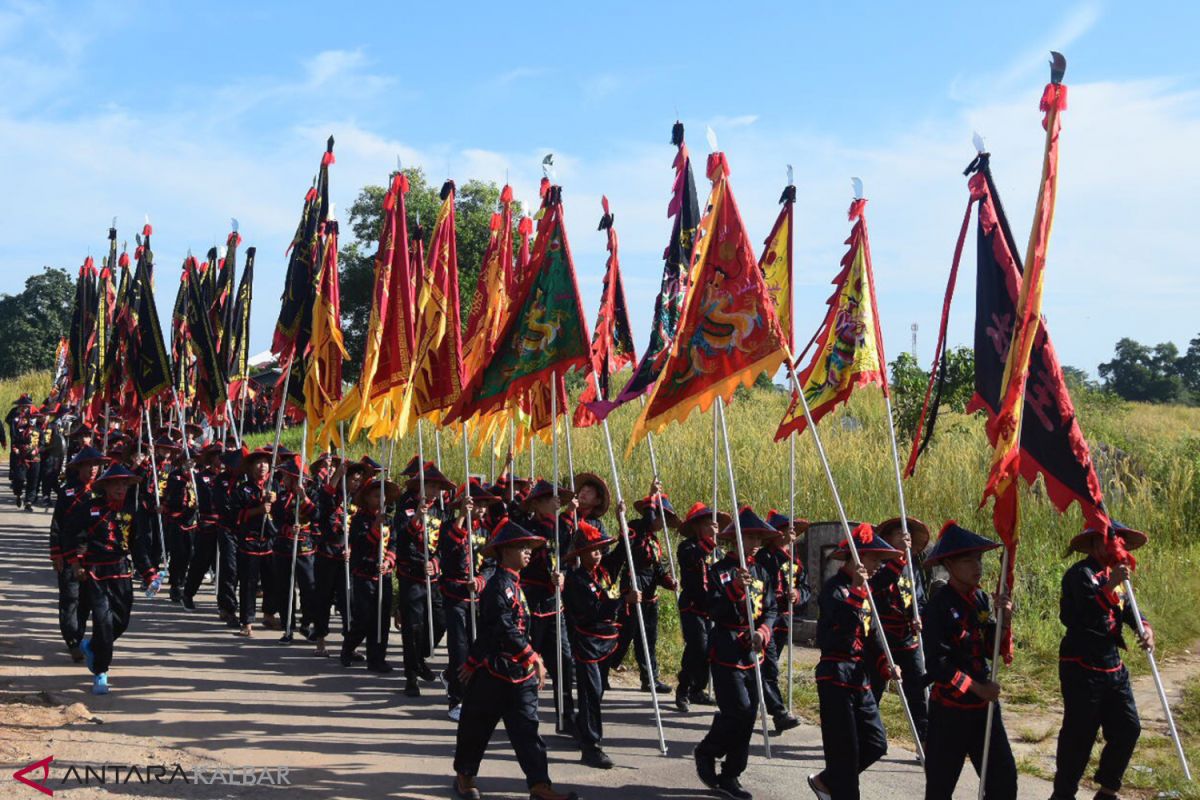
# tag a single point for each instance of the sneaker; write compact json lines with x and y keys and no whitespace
{"x":681,"y":703}
{"x":100,"y":683}
{"x":730,"y":786}
{"x":464,"y":788}
{"x":176,"y":595}
{"x":785,"y":722}
{"x":659,"y":687}
{"x":411,"y":688}
{"x":287,"y":638}
{"x":426,"y":674}
{"x":701,"y":698}
{"x":29,"y":507}
{"x":88,"y":655}
{"x":544,"y":791}
{"x":820,"y":793}
{"x":706,"y":768}
{"x":346,"y":660}
{"x":357,"y":657}
{"x":455,"y":713}
{"x":382,"y":667}
{"x":189,"y":603}
{"x":596,"y":758}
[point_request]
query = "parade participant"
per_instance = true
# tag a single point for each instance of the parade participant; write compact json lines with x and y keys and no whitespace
{"x":735,"y":645}
{"x":107,"y":550}
{"x":786,"y":577}
{"x":593,"y":602}
{"x":252,"y":499}
{"x":54,"y":451}
{"x":70,"y":514}
{"x":180,"y":511}
{"x":292,"y":533}
{"x":959,"y":634}
{"x":10,"y":421}
{"x":455,"y":547}
{"x":894,"y":599}
{"x":1095,"y":684}
{"x":544,"y":572}
{"x":594,"y":498}
{"x":208,"y":522}
{"x":696,"y":553}
{"x":25,"y":449}
{"x":852,"y":733}
{"x":413,"y":517}
{"x":368,"y":528}
{"x":648,"y":567}
{"x":504,"y":672}
{"x":81,"y":436}
{"x":329,"y":535}
{"x":227,"y":534}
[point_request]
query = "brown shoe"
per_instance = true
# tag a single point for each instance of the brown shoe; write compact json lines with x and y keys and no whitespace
{"x":464,"y":788}
{"x":544,"y":791}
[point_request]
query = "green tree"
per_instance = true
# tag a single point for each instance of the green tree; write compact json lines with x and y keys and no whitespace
{"x":1140,"y":373}
{"x":33,"y":322}
{"x":909,"y":383}
{"x":1189,"y":369}
{"x":475,"y":201}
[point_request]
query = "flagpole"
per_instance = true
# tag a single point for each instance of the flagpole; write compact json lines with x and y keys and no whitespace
{"x":908,"y":556}
{"x":383,"y":516}
{"x":237,"y":435}
{"x":162,"y":542}
{"x":437,"y":443}
{"x":719,"y":414}
{"x":242,"y":413}
{"x":104,"y":447}
{"x":299,"y":492}
{"x":554,"y":552}
{"x":570,"y":467}
{"x":637,"y":607}
{"x":716,"y":474}
{"x":791,"y":622}
{"x":662,"y":511}
{"x":287,"y":377}
{"x":345,"y":518}
{"x":512,"y":466}
{"x":470,"y":528}
{"x":424,"y":535}
{"x":837,"y":499}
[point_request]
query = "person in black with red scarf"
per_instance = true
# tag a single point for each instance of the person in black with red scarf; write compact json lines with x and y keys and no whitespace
{"x":371,"y":535}
{"x":593,"y":601}
{"x":70,"y":515}
{"x":736,"y":644}
{"x":651,"y":574}
{"x":251,"y":502}
{"x":504,"y":672}
{"x":329,"y":538}
{"x":786,"y":575}
{"x":208,"y":521}
{"x":108,"y":548}
{"x":1095,"y":684}
{"x":852,"y":733}
{"x":460,"y":558}
{"x":696,"y":553}
{"x":959,"y":634}
{"x":292,"y":514}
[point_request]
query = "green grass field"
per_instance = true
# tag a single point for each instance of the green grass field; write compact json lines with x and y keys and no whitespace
{"x":1148,"y":456}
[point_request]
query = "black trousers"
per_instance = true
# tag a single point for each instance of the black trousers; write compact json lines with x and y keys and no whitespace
{"x":1094,"y":701}
{"x":367,"y":624}
{"x":414,"y":624}
{"x":111,"y":602}
{"x":305,"y":581}
{"x":73,"y":607}
{"x":589,"y":681}
{"x":251,"y":569}
{"x":227,"y":576}
{"x":32,"y":480}
{"x":457,"y":622}
{"x":912,"y":670}
{"x":693,"y":665}
{"x":204,"y":551}
{"x":630,"y":634}
{"x":489,"y":700}
{"x":956,"y":735}
{"x":543,"y":639}
{"x":330,"y":591}
{"x":179,"y":542}
{"x":158,"y":535}
{"x":852,"y":737}
{"x":733,"y":725}
{"x":50,"y":472}
{"x":770,"y":677}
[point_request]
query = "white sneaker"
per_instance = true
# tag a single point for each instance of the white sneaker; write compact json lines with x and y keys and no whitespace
{"x":455,"y":713}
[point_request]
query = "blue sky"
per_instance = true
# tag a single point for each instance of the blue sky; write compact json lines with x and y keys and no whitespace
{"x":195,"y":113}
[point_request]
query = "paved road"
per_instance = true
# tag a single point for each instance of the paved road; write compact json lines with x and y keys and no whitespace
{"x":182,"y":681}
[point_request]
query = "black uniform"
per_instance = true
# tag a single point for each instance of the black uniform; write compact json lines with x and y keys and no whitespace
{"x":453,"y":549}
{"x":223,"y":490}
{"x":27,"y":459}
{"x":785,"y":574}
{"x":648,"y":567}
{"x":179,"y":501}
{"x":852,"y":734}
{"x":732,"y":660}
{"x":1095,"y":683}
{"x":410,"y":582}
{"x":207,"y":531}
{"x":289,"y":536}
{"x":70,"y":515}
{"x":894,"y":599}
{"x":959,"y":633}
{"x":593,"y":603}
{"x":110,"y":546}
{"x":329,"y":567}
{"x":695,"y":556}
{"x":254,"y":551}
{"x":503,"y":685}
{"x":366,"y":530}
{"x":54,"y":451}
{"x":535,"y":578}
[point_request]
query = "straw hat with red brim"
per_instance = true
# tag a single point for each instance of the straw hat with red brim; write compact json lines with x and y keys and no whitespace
{"x":255,"y":456}
{"x":597,"y":483}
{"x":289,"y":466}
{"x":587,"y":538}
{"x":544,"y":488}
{"x":865,"y":541}
{"x":410,"y":469}
{"x":435,"y":481}
{"x":80,"y":431}
{"x":752,"y":526}
{"x":955,"y":540}
{"x":86,"y":457}
{"x":211,"y":449}
{"x":391,"y":491}
{"x":700,"y":514}
{"x":648,"y":506}
{"x":500,"y":487}
{"x":780,"y":522}
{"x":371,"y":465}
{"x":326,"y":459}
{"x":232,"y":459}
{"x":1132,"y":539}
{"x":916,"y":529}
{"x":507,"y":534}
{"x":117,"y":473}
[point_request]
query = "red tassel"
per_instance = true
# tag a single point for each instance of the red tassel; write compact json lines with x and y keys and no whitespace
{"x":718,"y":166}
{"x":402,"y":183}
{"x":864,"y":533}
{"x":147,"y":230}
{"x":525,"y":226}
{"x":310,"y":195}
{"x":124,"y":260}
{"x":543,"y":187}
{"x":856,"y":208}
{"x":1117,"y":553}
{"x":328,"y":159}
{"x":945,"y":528}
